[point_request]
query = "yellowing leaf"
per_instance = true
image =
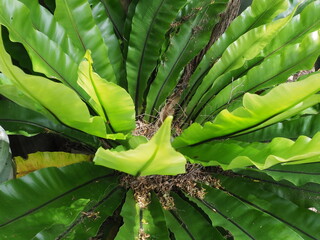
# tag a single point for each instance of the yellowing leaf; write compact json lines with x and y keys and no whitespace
{"x":40,"y":160}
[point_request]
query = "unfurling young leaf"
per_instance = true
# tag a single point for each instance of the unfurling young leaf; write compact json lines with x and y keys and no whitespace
{"x":154,"y":157}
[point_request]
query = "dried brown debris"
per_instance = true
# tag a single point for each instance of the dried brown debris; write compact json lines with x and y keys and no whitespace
{"x":143,"y":235}
{"x":162,"y":185}
{"x":295,"y":76}
{"x":144,"y":128}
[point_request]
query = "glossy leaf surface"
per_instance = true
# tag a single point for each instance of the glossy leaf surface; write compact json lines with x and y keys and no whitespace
{"x":257,"y":110}
{"x":231,"y":154}
{"x":297,"y":174}
{"x":112,"y":102}
{"x":116,"y":11}
{"x":303,"y":191}
{"x":190,"y":34}
{"x":76,"y":17}
{"x":47,"y":56}
{"x":302,"y":221}
{"x":236,"y":56}
{"x":18,"y":120}
{"x":44,"y":21}
{"x":273,"y":70}
{"x":261,"y":12}
{"x":243,"y":220}
{"x":103,"y":69}
{"x":189,"y":224}
{"x":108,"y":31}
{"x":56,"y":196}
{"x":307,"y":125}
{"x":149,"y":25}
{"x":47,"y":97}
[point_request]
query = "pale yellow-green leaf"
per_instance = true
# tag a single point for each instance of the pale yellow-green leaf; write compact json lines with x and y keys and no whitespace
{"x":154,"y":157}
{"x":257,"y":111}
{"x":52,"y":99}
{"x":109,"y":100}
{"x":230,"y":154}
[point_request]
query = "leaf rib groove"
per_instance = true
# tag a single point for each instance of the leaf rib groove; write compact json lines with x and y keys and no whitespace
{"x":52,"y":200}
{"x":240,"y":95}
{"x":277,"y":183}
{"x":211,"y":207}
{"x":80,"y":219}
{"x":111,"y":19}
{"x":143,"y":53}
{"x":269,"y":213}
{"x":182,"y":224}
{"x":289,"y":172}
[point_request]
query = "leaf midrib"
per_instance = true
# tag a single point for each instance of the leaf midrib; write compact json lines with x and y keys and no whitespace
{"x":112,"y":20}
{"x":54,"y":199}
{"x":81,"y":218}
{"x":241,"y":94}
{"x":39,"y":55}
{"x":143,"y":53}
{"x":74,"y":25}
{"x":182,"y":224}
{"x":214,"y":209}
{"x":268,"y":212}
{"x":149,"y":162}
{"x":175,"y":64}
